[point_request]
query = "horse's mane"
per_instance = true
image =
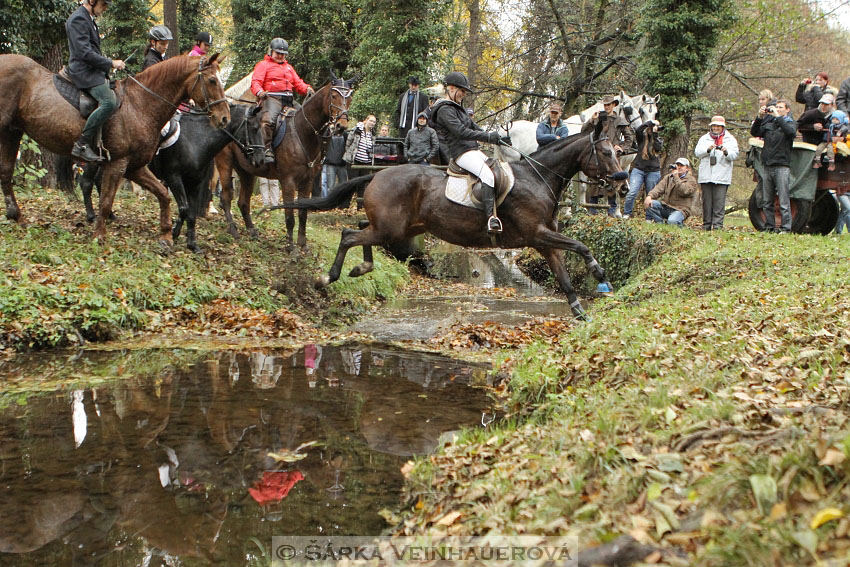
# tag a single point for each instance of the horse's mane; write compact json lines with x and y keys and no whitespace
{"x":169,"y":70}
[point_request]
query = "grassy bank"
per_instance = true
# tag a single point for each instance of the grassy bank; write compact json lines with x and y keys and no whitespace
{"x":702,"y":414}
{"x":58,"y":287}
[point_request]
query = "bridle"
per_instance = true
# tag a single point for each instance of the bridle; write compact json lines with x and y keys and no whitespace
{"x":247,"y":148}
{"x":334,"y":112}
{"x":198,"y":78}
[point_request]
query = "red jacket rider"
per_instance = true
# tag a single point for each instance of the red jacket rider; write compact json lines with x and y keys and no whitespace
{"x":270,"y":76}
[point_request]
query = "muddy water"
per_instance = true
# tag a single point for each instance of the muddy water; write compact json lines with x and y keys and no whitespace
{"x":424,"y":318}
{"x":169,"y":464}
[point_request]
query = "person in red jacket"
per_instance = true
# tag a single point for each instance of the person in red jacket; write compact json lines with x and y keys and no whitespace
{"x":273,"y":81}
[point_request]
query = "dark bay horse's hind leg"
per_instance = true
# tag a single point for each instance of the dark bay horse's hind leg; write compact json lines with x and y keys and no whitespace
{"x":174,"y":181}
{"x":91,"y":176}
{"x":550,"y":243}
{"x":350,"y":238}
{"x":10,"y":141}
{"x":246,"y":189}
{"x":225,"y":173}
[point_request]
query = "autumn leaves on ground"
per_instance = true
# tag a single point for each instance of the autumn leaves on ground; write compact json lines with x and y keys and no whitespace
{"x":700,"y":417}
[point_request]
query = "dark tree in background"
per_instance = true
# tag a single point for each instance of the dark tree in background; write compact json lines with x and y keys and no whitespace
{"x":169,"y":18}
{"x":191,"y":18}
{"x":681,"y":39}
{"x":395,"y":40}
{"x":125,"y":28}
{"x":319,"y":32}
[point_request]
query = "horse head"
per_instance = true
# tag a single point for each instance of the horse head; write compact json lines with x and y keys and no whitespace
{"x":648,"y":107}
{"x":599,"y":161}
{"x":251,"y":142}
{"x":329,"y":106}
{"x":206,"y":90}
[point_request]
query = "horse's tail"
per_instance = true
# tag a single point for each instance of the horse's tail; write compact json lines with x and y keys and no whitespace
{"x":65,"y":175}
{"x":340,"y":195}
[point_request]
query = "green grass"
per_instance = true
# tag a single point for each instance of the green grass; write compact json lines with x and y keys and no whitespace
{"x":720,"y":331}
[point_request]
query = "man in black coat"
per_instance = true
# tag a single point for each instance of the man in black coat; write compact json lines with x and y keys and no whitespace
{"x":89,"y":70}
{"x":410,"y":104}
{"x":777,"y":129}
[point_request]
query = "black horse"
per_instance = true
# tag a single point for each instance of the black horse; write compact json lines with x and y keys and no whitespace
{"x":187,"y":166}
{"x":407,"y":200}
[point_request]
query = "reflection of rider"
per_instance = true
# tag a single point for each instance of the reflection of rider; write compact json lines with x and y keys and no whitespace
{"x":158,"y":38}
{"x":462,"y":136}
{"x":273,"y":81}
{"x":88,"y":68}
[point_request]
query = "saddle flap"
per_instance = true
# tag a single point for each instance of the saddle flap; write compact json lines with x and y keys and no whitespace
{"x":80,"y":100}
{"x":464,"y":188}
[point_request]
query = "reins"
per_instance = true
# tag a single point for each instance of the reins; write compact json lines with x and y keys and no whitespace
{"x":209,"y":104}
{"x":345,"y":93}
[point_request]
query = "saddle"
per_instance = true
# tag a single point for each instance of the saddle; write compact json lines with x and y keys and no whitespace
{"x":464,"y":188}
{"x":78,"y":99}
{"x":280,"y":126}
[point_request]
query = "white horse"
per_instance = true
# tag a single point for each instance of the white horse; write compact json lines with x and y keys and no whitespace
{"x":523,"y":133}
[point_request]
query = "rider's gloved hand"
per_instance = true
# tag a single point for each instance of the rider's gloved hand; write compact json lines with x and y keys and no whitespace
{"x":493,"y":137}
{"x":505,"y":141}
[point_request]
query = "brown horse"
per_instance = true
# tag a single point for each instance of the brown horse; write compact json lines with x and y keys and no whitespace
{"x":31,"y":104}
{"x":297,"y":159}
{"x":407,"y":200}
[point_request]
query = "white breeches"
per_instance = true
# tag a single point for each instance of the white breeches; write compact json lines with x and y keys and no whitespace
{"x":475,"y":162}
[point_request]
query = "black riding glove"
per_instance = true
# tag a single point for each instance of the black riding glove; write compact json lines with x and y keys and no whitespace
{"x":493,"y":137}
{"x":505,"y":141}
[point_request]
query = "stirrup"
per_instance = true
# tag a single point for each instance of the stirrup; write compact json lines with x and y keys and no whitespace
{"x":268,"y":156}
{"x":494,"y":225}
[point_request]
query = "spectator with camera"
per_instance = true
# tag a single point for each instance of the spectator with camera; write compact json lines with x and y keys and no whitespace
{"x":809,"y":92}
{"x":777,"y":129}
{"x":646,"y":167}
{"x":676,"y":196}
{"x":717,"y":150}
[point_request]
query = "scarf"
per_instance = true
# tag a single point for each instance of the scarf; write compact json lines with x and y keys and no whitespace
{"x":718,"y":138}
{"x":402,"y":119}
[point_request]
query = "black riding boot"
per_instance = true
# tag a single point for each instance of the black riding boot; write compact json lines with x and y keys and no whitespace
{"x":82,"y":150}
{"x":488,"y":199}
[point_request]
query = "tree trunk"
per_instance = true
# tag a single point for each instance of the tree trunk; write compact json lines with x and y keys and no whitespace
{"x":473,"y":44}
{"x":678,"y":146}
{"x":169,"y":16}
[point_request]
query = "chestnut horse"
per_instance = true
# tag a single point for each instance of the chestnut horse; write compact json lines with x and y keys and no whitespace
{"x":298,"y":158}
{"x":31,"y":104}
{"x":407,"y":200}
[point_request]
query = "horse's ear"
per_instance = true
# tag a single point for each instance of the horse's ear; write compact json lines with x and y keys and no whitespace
{"x":600,"y":124}
{"x":333,"y":75}
{"x":624,"y":97}
{"x":214,"y":58}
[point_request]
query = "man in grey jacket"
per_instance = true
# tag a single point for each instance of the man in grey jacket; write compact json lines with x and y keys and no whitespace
{"x":842,"y":101}
{"x":421,"y":144}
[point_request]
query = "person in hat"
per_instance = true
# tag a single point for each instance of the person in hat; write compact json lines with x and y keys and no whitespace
{"x":89,"y":70}
{"x":462,"y":135}
{"x":410,"y":104}
{"x":810,"y":91}
{"x":675,"y":197}
{"x":813,"y":123}
{"x":622,"y":138}
{"x":552,"y":127}
{"x":717,"y":150}
{"x":776,"y":127}
{"x":203,"y":43}
{"x":273,"y":82}
{"x":158,"y":38}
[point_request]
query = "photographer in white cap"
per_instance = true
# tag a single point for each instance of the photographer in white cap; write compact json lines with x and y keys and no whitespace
{"x":675,"y":197}
{"x":717,"y":150}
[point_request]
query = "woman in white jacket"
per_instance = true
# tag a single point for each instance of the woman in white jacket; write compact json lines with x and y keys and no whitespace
{"x":716,"y":150}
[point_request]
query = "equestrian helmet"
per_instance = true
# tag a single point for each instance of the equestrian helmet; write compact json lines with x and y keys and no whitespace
{"x":279,"y":45}
{"x":457,"y":79}
{"x":160,"y":33}
{"x":204,"y":37}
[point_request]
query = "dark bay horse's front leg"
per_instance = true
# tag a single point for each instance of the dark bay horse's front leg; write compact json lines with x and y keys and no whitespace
{"x":148,"y":180}
{"x":174,"y":181}
{"x":550,"y":243}
{"x":245,"y":191}
{"x":87,"y":180}
{"x":224,"y":165}
{"x":10,"y":141}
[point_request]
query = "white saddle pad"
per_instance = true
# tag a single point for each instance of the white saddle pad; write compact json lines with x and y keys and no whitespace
{"x":169,"y":138}
{"x":459,"y":190}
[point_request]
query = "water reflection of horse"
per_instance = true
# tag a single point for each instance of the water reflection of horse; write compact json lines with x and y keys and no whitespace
{"x":409,"y":200}
{"x":31,"y":104}
{"x":297,"y":158}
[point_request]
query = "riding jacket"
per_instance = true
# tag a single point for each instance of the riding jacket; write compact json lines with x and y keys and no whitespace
{"x":454,"y":125}
{"x":152,"y":57}
{"x":273,"y":77}
{"x":87,"y":66}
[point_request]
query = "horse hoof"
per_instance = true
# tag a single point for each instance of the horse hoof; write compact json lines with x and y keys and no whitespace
{"x":233,"y":232}
{"x":605,"y":288}
{"x":254,"y":234}
{"x":165,"y":246}
{"x":196,"y":249}
{"x":112,"y":217}
{"x":89,"y":219}
{"x":13,"y":214}
{"x":360,"y":269}
{"x":322,"y":281}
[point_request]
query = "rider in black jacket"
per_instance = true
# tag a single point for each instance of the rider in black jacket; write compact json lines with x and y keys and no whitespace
{"x":88,"y":68}
{"x":158,"y":38}
{"x":455,"y":126}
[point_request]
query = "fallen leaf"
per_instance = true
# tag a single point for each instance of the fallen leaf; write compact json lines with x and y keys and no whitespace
{"x":832,"y":458}
{"x":824,"y":516}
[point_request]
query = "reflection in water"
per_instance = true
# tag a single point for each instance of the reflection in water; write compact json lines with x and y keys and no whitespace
{"x":175,"y":468}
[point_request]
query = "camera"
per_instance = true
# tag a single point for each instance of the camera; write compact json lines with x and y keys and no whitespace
{"x":671,"y":167}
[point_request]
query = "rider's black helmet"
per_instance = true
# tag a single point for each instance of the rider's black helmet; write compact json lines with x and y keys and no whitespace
{"x":204,"y":37}
{"x":160,"y":33}
{"x":280,"y":45}
{"x":457,"y":79}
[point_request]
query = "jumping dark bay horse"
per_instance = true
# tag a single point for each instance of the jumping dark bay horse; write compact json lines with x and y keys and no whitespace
{"x":31,"y":104}
{"x":187,"y":166}
{"x":298,"y":158}
{"x":407,"y":200}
